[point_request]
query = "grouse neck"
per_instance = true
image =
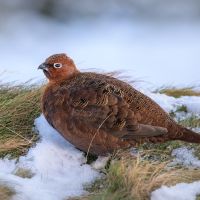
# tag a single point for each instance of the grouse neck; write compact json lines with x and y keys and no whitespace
{"x":64,"y":78}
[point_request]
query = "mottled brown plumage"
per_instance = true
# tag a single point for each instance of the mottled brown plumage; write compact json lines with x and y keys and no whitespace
{"x":100,"y":114}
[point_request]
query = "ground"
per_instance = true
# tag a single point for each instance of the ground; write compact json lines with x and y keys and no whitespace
{"x":39,"y":157}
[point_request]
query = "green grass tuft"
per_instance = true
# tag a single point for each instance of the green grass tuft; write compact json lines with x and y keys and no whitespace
{"x":182,"y":108}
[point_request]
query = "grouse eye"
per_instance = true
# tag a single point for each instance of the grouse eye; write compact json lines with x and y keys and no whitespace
{"x":57,"y":65}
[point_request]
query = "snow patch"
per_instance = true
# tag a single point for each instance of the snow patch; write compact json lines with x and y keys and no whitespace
{"x":182,"y":191}
{"x":184,"y":156}
{"x":171,"y":104}
{"x":59,"y":168}
{"x":100,"y":163}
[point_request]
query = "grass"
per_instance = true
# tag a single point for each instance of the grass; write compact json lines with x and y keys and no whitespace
{"x":134,"y":178}
{"x":182,"y":108}
{"x":130,"y":178}
{"x":19,"y":106}
{"x":178,"y":92}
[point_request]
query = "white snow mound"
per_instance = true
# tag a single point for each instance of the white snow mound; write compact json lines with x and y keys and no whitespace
{"x":182,"y":191}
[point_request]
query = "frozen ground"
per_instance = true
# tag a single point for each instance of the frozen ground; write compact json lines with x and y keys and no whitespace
{"x":59,"y":171}
{"x":169,"y":103}
{"x":157,"y":53}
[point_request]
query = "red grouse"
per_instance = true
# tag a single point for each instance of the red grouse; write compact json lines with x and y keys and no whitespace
{"x":100,"y":114}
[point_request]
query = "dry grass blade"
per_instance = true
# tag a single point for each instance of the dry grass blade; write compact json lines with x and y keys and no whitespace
{"x":175,"y":92}
{"x":90,"y":144}
{"x":13,"y":143}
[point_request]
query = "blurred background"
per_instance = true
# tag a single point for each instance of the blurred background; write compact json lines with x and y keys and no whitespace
{"x":156,"y":41}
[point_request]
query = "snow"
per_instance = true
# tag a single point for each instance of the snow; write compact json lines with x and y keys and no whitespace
{"x":182,"y":191}
{"x":192,"y":103}
{"x":185,"y":157}
{"x":169,"y":103}
{"x":100,"y":163}
{"x":59,"y":170}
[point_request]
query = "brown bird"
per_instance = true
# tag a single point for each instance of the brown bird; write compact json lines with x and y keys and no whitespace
{"x":100,"y":114}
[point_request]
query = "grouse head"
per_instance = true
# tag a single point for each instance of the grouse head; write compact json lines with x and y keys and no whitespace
{"x":58,"y":67}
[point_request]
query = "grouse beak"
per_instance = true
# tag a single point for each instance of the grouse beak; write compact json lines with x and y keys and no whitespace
{"x":43,"y":67}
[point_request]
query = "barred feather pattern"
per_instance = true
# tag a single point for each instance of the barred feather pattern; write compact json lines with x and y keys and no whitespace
{"x":76,"y":107}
